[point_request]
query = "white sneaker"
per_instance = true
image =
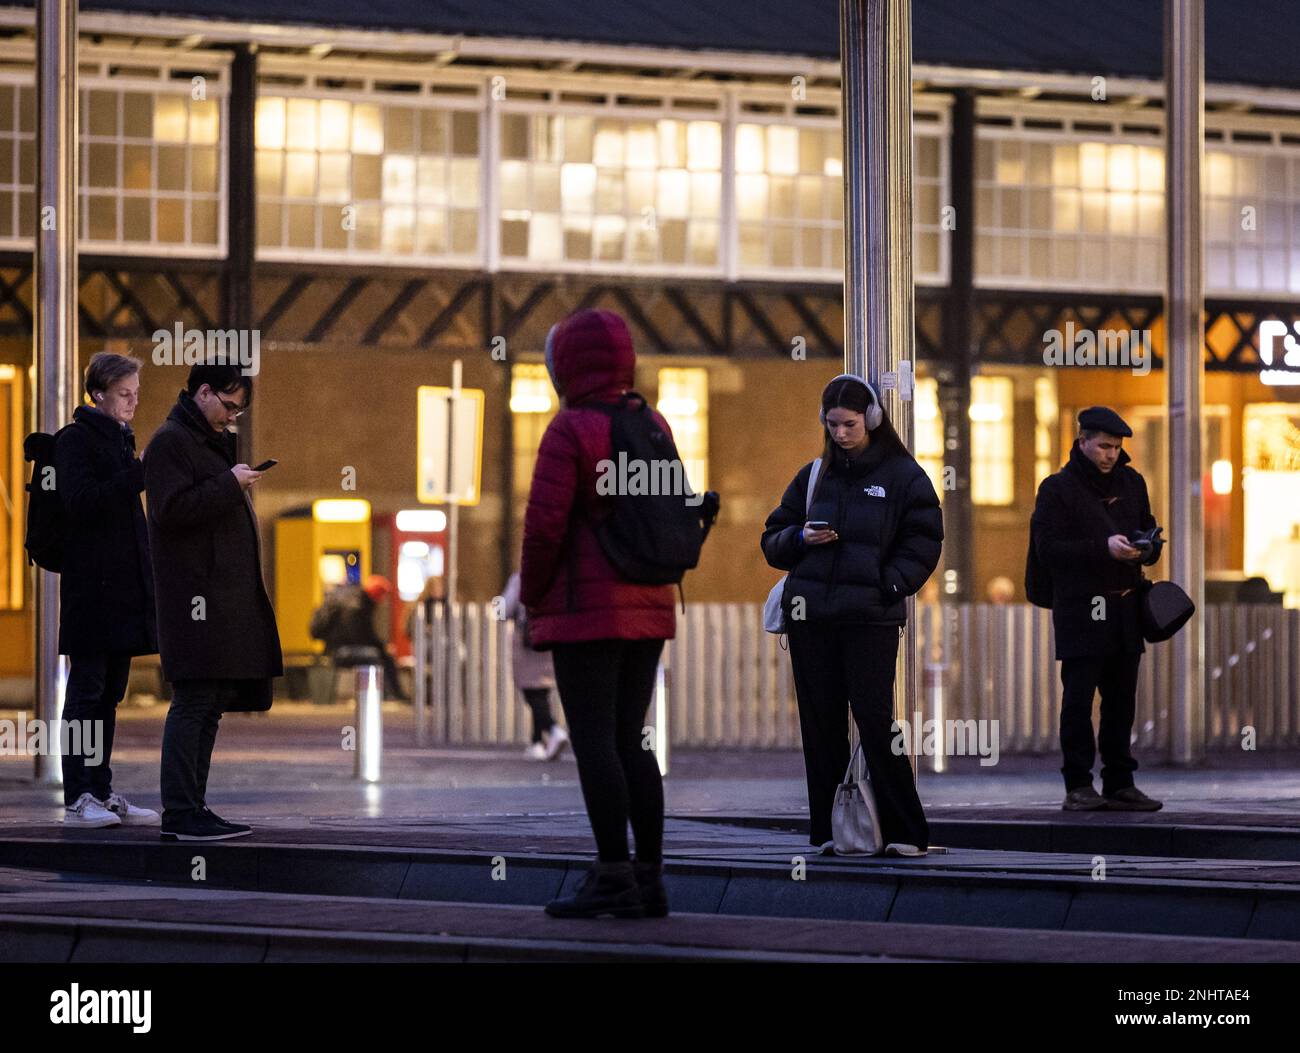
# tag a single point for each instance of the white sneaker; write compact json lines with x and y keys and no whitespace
{"x":556,"y":741}
{"x":129,"y":813}
{"x":537,"y":752}
{"x":89,"y":814}
{"x":907,"y":851}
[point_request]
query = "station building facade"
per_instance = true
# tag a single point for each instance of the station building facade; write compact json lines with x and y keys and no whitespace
{"x":375,"y":205}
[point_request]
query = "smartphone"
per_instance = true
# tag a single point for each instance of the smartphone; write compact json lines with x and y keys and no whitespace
{"x":266,"y":464}
{"x":818,"y":524}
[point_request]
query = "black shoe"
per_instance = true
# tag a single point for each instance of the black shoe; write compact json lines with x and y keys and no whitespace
{"x":1083,"y":799}
{"x":201,"y":826}
{"x":239,"y":828}
{"x":607,"y":888}
{"x":1131,"y":799}
{"x":650,"y":880}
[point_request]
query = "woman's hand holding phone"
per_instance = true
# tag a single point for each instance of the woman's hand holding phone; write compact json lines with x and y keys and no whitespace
{"x":818,"y":532}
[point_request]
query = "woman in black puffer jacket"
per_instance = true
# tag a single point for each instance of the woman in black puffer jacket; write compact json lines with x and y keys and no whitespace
{"x":844,"y":601}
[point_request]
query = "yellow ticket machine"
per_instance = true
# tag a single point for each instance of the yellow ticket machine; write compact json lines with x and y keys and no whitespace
{"x":317,"y":548}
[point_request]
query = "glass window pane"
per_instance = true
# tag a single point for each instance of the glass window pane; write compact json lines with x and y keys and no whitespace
{"x":170,"y":119}
{"x":335,"y":124}
{"x":205,"y":121}
{"x":171,"y":220}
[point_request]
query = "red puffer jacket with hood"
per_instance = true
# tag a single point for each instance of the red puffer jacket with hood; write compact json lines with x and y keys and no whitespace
{"x":571,"y":590}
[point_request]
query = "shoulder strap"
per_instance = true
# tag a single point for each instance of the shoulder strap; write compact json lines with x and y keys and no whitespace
{"x":812,"y":485}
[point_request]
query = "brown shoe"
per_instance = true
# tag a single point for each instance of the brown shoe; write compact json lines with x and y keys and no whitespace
{"x":1083,"y":799}
{"x":1131,"y":799}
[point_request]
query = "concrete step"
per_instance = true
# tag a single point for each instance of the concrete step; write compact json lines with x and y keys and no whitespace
{"x":765,"y":875}
{"x":50,"y":917}
{"x":1214,"y":836}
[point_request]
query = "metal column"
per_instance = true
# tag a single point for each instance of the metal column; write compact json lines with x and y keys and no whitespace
{"x":55,"y":310}
{"x":879,"y":316}
{"x":1184,"y":145}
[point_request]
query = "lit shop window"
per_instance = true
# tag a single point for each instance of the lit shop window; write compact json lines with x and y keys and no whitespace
{"x":1069,"y":213}
{"x":340,"y":176}
{"x":149,"y":168}
{"x":992,"y":432}
{"x":929,"y":431}
{"x":1270,"y":483}
{"x":684,"y":403}
{"x":597,"y":190}
{"x":533,"y":403}
{"x":13,"y":570}
{"x":1046,"y":417}
{"x":1252,"y":220}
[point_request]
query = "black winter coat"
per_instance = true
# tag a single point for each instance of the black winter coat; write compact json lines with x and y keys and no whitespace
{"x":890,"y":528}
{"x":106,"y":587}
{"x":1078,"y":509}
{"x":206,"y":546}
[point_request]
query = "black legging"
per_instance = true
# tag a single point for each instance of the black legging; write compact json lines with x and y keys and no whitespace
{"x":605,"y":688}
{"x":539,"y":702}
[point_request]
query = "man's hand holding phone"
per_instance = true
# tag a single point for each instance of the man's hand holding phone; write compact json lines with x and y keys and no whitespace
{"x":245,"y":475}
{"x":818,"y":532}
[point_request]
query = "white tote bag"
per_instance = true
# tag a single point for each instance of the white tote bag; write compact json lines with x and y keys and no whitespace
{"x":773,"y":615}
{"x":855,"y":824}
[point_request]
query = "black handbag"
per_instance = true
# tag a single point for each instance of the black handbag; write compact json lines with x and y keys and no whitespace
{"x":1166,"y":608}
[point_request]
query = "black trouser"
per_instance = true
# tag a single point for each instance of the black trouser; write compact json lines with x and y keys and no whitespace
{"x":188,"y":738}
{"x":854,"y":664}
{"x":539,"y":701}
{"x":96,"y":684}
{"x":1116,"y":676}
{"x":605,"y":688}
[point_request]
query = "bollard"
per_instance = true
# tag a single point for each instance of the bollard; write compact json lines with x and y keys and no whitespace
{"x":661,"y":719}
{"x":370,"y":722}
{"x":421,"y":651}
{"x":934,"y":695}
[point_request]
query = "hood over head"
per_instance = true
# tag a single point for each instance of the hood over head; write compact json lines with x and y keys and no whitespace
{"x":589,"y":355}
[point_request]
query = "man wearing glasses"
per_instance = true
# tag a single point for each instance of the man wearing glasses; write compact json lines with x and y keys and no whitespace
{"x":216,"y":628}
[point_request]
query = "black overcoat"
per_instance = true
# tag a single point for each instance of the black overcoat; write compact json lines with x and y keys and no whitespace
{"x":106,"y":599}
{"x":215,"y":619}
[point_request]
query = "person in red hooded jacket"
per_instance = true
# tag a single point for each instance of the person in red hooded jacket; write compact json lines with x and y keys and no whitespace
{"x":605,"y":633}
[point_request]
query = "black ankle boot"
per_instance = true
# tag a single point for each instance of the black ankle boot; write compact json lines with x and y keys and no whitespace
{"x":607,"y":888}
{"x":650,"y":880}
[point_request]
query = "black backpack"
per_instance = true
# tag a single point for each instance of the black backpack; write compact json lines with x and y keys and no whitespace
{"x":651,"y":539}
{"x":1038,"y":578}
{"x":45,"y":526}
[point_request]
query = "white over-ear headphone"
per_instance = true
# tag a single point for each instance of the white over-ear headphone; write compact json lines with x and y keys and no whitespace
{"x":874,"y":414}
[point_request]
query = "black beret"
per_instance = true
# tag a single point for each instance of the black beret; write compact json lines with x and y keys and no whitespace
{"x":1103,"y":418}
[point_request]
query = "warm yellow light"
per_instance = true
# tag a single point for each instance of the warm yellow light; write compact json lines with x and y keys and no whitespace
{"x":530,"y":403}
{"x":1092,"y":166}
{"x":340,"y":510}
{"x":1221,"y":477}
{"x":749,"y":148}
{"x":678,"y":407}
{"x":7,"y":372}
{"x":986,"y":412}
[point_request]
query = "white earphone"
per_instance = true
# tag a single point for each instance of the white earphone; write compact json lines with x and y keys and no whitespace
{"x":874,"y":414}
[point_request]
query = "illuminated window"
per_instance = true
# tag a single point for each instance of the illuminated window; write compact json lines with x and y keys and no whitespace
{"x":1252,"y":219}
{"x":362,"y":175}
{"x":992,"y":433}
{"x":929,"y":431}
{"x":151,"y":157}
{"x":12,"y":479}
{"x":684,"y":403}
{"x":1046,"y":415}
{"x":590,"y":190}
{"x":790,"y":198}
{"x":533,"y":403}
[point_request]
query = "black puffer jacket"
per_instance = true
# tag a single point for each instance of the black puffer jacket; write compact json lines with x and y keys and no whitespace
{"x":890,"y":528}
{"x":106,"y":588}
{"x":1078,"y":509}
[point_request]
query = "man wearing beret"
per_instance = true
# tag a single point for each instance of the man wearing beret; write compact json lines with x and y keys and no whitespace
{"x":1085,"y":518}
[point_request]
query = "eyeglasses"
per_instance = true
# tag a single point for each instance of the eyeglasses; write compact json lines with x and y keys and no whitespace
{"x":233,"y":408}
